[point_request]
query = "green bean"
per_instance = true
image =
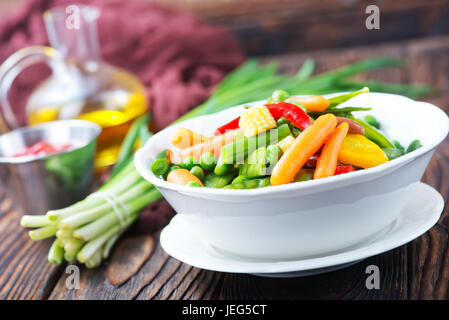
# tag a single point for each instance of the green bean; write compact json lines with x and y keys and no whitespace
{"x":188,"y":163}
{"x":415,"y":144}
{"x":274,"y":153}
{"x":208,"y":161}
{"x":392,"y":153}
{"x":198,"y":172}
{"x":282,"y":121}
{"x":193,"y":184}
{"x":250,"y":184}
{"x":304,"y":175}
{"x":239,"y":179}
{"x":252,"y":170}
{"x":159,"y":167}
{"x":335,"y":101}
{"x":254,"y":166}
{"x":295,"y":131}
{"x":372,"y":121}
{"x":342,"y":112}
{"x":215,"y":181}
{"x":374,"y":135}
{"x":223,"y":168}
{"x":398,"y":146}
{"x":240,"y":148}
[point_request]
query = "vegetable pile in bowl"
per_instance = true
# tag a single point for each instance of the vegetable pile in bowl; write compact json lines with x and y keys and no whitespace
{"x":284,"y":140}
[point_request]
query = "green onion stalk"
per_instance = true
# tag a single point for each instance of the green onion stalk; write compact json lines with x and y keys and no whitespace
{"x":87,"y":230}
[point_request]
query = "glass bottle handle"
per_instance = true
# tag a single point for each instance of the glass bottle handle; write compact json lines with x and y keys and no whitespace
{"x":12,"y":67}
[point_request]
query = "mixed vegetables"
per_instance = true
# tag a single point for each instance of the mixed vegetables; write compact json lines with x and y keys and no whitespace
{"x":287,"y":139}
{"x":86,"y":231}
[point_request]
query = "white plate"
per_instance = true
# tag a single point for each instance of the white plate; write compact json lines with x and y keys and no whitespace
{"x":418,"y":216}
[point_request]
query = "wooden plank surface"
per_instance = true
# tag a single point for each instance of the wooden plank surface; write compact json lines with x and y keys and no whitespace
{"x":419,"y":270}
{"x":267,"y":27}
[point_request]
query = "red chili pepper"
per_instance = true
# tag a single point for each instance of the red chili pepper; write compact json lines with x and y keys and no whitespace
{"x":234,"y":124}
{"x":291,"y":112}
{"x":344,"y":169}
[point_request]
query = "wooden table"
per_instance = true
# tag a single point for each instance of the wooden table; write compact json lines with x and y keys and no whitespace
{"x":418,"y":270}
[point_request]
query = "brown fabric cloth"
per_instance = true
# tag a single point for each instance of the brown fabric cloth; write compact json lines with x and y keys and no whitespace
{"x":178,"y":58}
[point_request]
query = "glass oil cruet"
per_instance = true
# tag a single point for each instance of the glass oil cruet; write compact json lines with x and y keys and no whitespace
{"x":81,"y":86}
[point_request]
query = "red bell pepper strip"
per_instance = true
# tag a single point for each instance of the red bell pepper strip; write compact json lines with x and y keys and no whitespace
{"x":234,"y":124}
{"x":311,"y":163}
{"x":291,"y":112}
{"x":344,"y":169}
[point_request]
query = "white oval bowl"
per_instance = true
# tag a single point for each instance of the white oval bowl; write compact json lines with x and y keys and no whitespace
{"x":309,"y":218}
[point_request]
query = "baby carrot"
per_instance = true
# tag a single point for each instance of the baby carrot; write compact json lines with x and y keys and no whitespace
{"x":184,"y":138}
{"x":327,"y":162}
{"x":313,"y":103}
{"x":182,"y":176}
{"x":305,"y":145}
{"x":213,"y":145}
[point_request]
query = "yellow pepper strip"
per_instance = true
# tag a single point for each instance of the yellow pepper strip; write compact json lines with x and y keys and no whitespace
{"x":327,"y":162}
{"x":305,"y":145}
{"x":361,"y":152}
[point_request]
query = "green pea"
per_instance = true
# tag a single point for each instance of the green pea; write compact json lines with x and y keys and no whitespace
{"x":239,"y":179}
{"x":208,"y":161}
{"x":159,"y":167}
{"x":198,"y":172}
{"x":193,"y":184}
{"x":372,"y":121}
{"x":189,"y":163}
{"x":415,"y":144}
{"x":280,"y":95}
